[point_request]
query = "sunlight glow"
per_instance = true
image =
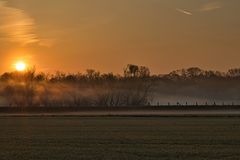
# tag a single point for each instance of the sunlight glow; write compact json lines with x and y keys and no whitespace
{"x":20,"y":66}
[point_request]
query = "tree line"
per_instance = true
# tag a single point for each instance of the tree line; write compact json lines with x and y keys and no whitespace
{"x":130,"y":72}
{"x":134,"y":87}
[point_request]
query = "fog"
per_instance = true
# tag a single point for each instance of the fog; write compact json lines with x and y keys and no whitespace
{"x":187,"y":87}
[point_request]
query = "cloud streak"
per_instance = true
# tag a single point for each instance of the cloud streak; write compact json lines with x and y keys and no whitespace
{"x":16,"y":25}
{"x":210,"y":7}
{"x":184,"y":11}
{"x":204,"y":8}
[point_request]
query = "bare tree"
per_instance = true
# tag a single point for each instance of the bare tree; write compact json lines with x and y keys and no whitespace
{"x":131,"y":70}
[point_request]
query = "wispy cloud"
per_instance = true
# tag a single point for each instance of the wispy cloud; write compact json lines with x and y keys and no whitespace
{"x":16,"y":25}
{"x":204,"y":8}
{"x":210,"y":6}
{"x":184,"y":11}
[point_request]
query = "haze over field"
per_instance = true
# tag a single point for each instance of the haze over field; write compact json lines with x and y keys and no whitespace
{"x":119,"y":79}
{"x":136,"y":87}
{"x":73,"y":35}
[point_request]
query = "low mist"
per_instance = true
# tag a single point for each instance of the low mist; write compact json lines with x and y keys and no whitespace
{"x":137,"y":87}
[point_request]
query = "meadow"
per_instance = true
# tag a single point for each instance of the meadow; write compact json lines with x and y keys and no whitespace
{"x":120,"y":138}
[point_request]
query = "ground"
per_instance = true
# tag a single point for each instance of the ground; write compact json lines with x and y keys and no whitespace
{"x":120,"y":138}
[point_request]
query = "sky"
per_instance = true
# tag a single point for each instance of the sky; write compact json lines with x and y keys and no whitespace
{"x":74,"y":35}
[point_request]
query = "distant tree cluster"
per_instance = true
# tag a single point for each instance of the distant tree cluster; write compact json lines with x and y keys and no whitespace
{"x":81,"y":89}
{"x":135,"y":71}
{"x":197,"y":73}
{"x":130,"y":72}
{"x":92,"y":88}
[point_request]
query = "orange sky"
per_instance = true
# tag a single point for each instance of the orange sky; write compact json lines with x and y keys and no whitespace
{"x":73,"y":35}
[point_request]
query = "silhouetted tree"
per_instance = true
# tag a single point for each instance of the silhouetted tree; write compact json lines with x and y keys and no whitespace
{"x":144,"y":72}
{"x":92,"y":74}
{"x":193,"y":72}
{"x":131,"y":70}
{"x":6,"y":77}
{"x":234,"y":72}
{"x":41,"y":77}
{"x":95,"y":89}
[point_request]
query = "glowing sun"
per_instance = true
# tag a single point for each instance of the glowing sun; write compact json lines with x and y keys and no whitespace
{"x":20,"y":66}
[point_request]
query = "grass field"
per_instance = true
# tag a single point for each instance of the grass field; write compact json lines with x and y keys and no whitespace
{"x":119,"y":138}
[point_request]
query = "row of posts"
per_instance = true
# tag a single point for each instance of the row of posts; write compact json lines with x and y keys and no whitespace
{"x":197,"y":104}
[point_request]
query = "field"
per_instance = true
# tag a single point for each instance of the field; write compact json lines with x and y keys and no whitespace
{"x":119,"y":138}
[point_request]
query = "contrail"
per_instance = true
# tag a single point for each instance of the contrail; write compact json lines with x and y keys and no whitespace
{"x":210,"y":7}
{"x":184,"y":11}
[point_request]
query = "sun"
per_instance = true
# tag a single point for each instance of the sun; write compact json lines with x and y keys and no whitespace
{"x":20,"y":66}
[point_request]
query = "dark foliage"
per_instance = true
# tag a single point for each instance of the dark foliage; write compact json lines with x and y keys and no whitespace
{"x":134,"y":88}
